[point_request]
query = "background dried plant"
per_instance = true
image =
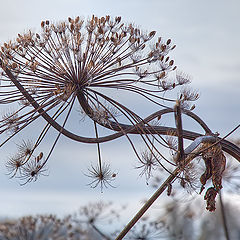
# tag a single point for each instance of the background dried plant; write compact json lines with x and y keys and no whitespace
{"x":102,"y":221}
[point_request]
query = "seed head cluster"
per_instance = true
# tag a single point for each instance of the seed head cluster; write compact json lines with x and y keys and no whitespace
{"x":79,"y":62}
{"x":75,"y":59}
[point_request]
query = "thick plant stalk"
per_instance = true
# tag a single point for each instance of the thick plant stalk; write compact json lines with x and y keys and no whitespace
{"x":178,"y":120}
{"x":192,"y":150}
{"x":148,"y":204}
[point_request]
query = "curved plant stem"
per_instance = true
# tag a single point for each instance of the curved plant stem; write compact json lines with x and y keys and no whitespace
{"x":227,"y":146}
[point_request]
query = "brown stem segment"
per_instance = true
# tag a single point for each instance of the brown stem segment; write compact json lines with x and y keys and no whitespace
{"x":227,"y":146}
{"x":148,"y":204}
{"x":178,"y":120}
{"x":159,"y":191}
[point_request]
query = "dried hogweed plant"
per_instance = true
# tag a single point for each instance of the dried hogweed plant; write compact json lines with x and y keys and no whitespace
{"x":76,"y":62}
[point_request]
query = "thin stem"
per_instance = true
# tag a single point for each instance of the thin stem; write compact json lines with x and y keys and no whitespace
{"x":100,"y":232}
{"x":148,"y":204}
{"x":159,"y":191}
{"x":59,"y":134}
{"x":224,"y":217}
{"x":228,"y":147}
{"x":98,"y":148}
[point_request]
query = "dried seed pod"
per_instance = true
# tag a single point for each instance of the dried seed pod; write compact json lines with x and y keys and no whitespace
{"x":118,"y":19}
{"x":91,"y":64}
{"x":100,"y":30}
{"x":163,"y":47}
{"x":171,"y":63}
{"x":159,"y":117}
{"x":102,"y":20}
{"x":14,"y":65}
{"x":77,"y":19}
{"x":162,"y":75}
{"x":193,"y":107}
{"x":40,"y":155}
{"x":210,"y":197}
{"x":152,"y":34}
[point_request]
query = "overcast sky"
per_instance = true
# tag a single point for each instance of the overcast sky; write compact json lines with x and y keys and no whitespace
{"x":207,"y":37}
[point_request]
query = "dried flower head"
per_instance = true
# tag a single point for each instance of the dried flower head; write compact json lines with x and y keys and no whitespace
{"x":104,"y":113}
{"x":13,"y":165}
{"x":98,"y":211}
{"x":68,"y":57}
{"x":101,"y":175}
{"x":172,"y":143}
{"x":10,"y":122}
{"x":42,"y":227}
{"x":149,"y":162}
{"x":188,"y":177}
{"x":80,"y":61}
{"x":210,"y":197}
{"x":186,"y":96}
{"x":32,"y":170}
{"x":25,"y":148}
{"x":182,"y":78}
